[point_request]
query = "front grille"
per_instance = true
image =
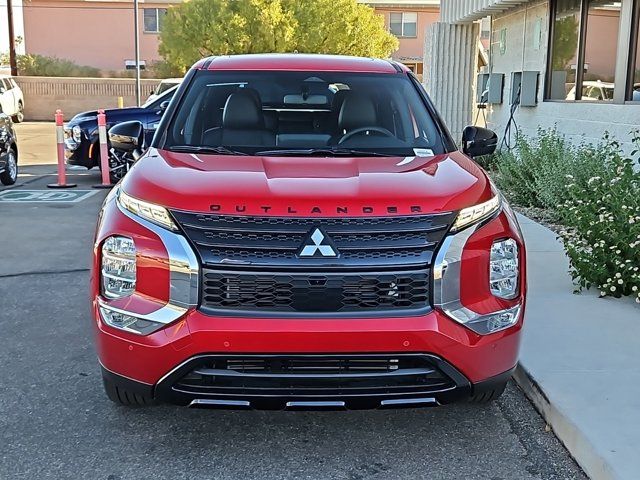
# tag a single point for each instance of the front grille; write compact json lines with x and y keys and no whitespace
{"x":313,"y":375}
{"x":361,"y":242}
{"x":254,"y":264}
{"x":340,"y":293}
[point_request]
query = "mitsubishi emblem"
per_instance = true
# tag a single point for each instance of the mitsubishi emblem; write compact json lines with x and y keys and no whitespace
{"x":317,"y":243}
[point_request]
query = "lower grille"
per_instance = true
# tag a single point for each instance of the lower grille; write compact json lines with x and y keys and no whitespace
{"x":331,"y":293}
{"x":313,"y":375}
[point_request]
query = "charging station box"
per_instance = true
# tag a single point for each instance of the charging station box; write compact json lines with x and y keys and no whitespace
{"x":525,"y":86}
{"x":496,"y":84}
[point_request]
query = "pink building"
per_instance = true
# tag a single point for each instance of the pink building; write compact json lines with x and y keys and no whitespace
{"x":408,"y":20}
{"x":95,"y":33}
{"x":100,"y":33}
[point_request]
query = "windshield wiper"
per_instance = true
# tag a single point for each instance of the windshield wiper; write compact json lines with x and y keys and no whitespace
{"x":337,"y":152}
{"x":202,"y":149}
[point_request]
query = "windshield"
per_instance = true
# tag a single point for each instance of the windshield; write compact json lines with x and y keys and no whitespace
{"x":321,"y":113}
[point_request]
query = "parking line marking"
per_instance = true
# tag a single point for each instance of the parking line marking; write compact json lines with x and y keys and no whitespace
{"x":45,"y":196}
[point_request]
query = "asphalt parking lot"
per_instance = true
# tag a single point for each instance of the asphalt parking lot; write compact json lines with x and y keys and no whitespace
{"x":55,"y":421}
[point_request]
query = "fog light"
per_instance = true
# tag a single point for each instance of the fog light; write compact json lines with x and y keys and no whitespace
{"x":494,"y":322}
{"x":128,"y":323}
{"x":503,"y":269}
{"x":118,"y":267}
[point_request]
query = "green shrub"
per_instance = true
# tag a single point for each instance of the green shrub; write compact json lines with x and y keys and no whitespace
{"x":594,"y":192}
{"x":602,"y":238}
{"x":163,"y":69}
{"x":43,"y":66}
{"x":534,"y":174}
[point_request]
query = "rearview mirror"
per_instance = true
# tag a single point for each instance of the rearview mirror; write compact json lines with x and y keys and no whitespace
{"x":127,"y":136}
{"x":478,"y":141}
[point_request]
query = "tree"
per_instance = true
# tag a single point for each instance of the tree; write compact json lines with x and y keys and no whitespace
{"x":341,"y":27}
{"x":199,"y":28}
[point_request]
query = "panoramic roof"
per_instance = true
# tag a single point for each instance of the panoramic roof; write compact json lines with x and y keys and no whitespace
{"x":300,"y":62}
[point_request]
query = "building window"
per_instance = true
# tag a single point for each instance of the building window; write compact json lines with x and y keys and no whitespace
{"x":153,"y":19}
{"x":403,"y":24}
{"x":584,"y":47}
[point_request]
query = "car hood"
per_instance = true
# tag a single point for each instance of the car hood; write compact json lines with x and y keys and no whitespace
{"x":312,"y":186}
{"x":92,"y":115}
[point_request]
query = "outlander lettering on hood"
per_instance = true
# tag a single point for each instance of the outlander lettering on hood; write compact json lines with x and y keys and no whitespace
{"x":275,"y":249}
{"x":316,"y":210}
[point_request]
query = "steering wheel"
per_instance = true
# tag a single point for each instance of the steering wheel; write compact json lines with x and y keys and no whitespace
{"x":358,"y":131}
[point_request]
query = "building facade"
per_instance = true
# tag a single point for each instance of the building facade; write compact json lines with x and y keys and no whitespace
{"x":99,"y":33}
{"x":569,"y":64}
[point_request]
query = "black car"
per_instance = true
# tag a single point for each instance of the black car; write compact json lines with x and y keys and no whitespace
{"x":81,"y":132}
{"x":8,"y":151}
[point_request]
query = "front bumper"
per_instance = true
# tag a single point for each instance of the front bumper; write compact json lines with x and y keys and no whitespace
{"x":277,"y":393}
{"x":156,"y":364}
{"x":78,"y":154}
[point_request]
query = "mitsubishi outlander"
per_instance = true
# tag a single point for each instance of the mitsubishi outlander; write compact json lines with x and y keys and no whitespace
{"x":304,"y":233}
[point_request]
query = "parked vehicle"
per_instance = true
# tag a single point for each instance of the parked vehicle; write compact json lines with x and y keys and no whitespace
{"x":162,"y":87}
{"x":11,"y":98}
{"x":303,"y":233}
{"x":593,"y":91}
{"x":81,"y":132}
{"x":8,"y":151}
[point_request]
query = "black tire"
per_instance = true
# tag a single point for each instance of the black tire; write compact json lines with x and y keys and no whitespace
{"x":19,"y":117}
{"x":124,"y":397}
{"x":10,"y":174}
{"x":488,"y":396}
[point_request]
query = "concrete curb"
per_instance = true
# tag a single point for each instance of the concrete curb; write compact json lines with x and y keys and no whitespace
{"x":576,"y":442}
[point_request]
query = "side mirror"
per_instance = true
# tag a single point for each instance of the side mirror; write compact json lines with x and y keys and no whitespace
{"x":127,"y":136}
{"x":2,"y":90}
{"x":478,"y":141}
{"x":163,"y":106}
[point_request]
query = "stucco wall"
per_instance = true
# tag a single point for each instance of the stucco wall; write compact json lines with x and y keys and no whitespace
{"x":579,"y":121}
{"x":44,"y":95}
{"x":97,"y":34}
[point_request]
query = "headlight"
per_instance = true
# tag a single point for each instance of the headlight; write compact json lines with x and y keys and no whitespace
{"x":504,"y":269}
{"x":118,"y":267}
{"x":149,"y":211}
{"x":118,"y":319}
{"x":76,"y":133}
{"x":471,"y":215}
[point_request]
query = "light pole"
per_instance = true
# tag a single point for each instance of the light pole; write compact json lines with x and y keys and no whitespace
{"x":136,"y":30}
{"x":12,"y":42}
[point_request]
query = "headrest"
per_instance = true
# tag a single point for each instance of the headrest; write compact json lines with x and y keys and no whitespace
{"x":357,"y":111}
{"x":242,"y":111}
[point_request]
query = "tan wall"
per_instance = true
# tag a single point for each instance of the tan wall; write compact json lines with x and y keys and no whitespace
{"x":97,"y":34}
{"x":44,"y":95}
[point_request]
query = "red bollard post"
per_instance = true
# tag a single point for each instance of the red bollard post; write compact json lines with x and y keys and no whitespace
{"x":104,"y":150}
{"x":62,"y":173}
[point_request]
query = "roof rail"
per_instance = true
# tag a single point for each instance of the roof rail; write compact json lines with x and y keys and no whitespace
{"x":395,"y":65}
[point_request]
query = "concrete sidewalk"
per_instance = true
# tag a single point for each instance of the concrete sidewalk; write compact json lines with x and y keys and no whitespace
{"x":580,"y":363}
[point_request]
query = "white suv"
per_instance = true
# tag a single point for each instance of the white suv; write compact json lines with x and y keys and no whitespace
{"x":11,"y":98}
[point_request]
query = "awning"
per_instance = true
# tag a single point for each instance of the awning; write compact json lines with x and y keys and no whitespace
{"x":464,"y":11}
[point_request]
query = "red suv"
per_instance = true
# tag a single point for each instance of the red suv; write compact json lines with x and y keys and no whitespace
{"x":303,"y":233}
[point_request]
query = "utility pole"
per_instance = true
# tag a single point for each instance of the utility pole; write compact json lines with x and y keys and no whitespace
{"x":136,"y":30}
{"x":12,"y":43}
